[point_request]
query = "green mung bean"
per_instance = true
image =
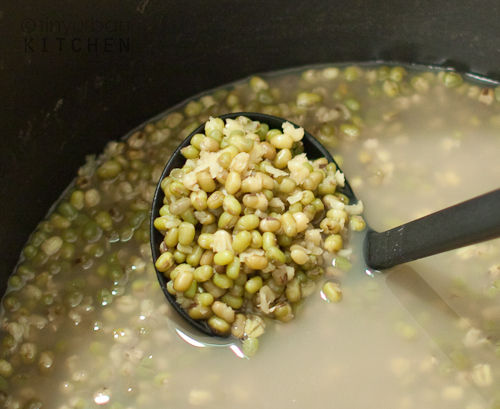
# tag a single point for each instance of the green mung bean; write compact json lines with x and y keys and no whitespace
{"x":186,"y":233}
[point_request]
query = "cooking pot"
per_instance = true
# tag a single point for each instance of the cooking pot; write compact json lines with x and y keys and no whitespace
{"x":73,"y":76}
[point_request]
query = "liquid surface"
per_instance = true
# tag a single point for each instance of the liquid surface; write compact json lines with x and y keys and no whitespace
{"x":85,"y":324}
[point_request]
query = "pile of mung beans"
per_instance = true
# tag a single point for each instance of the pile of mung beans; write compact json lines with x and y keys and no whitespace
{"x":246,"y":223}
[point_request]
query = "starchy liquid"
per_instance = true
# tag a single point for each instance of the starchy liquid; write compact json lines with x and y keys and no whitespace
{"x":85,"y":324}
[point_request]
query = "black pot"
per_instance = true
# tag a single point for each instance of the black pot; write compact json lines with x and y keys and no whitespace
{"x":73,"y":77}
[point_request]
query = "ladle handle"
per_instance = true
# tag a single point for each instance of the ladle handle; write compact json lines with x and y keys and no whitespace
{"x":469,"y":222}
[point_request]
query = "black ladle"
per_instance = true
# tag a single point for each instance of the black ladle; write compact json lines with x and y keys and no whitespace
{"x":469,"y":222}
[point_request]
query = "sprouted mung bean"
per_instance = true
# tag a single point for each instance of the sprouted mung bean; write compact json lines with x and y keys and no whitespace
{"x":234,"y":188}
{"x":85,"y":324}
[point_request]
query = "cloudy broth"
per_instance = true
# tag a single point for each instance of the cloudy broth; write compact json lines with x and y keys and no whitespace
{"x":85,"y":324}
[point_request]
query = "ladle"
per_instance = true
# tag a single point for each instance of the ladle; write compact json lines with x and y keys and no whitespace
{"x":466,"y":223}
